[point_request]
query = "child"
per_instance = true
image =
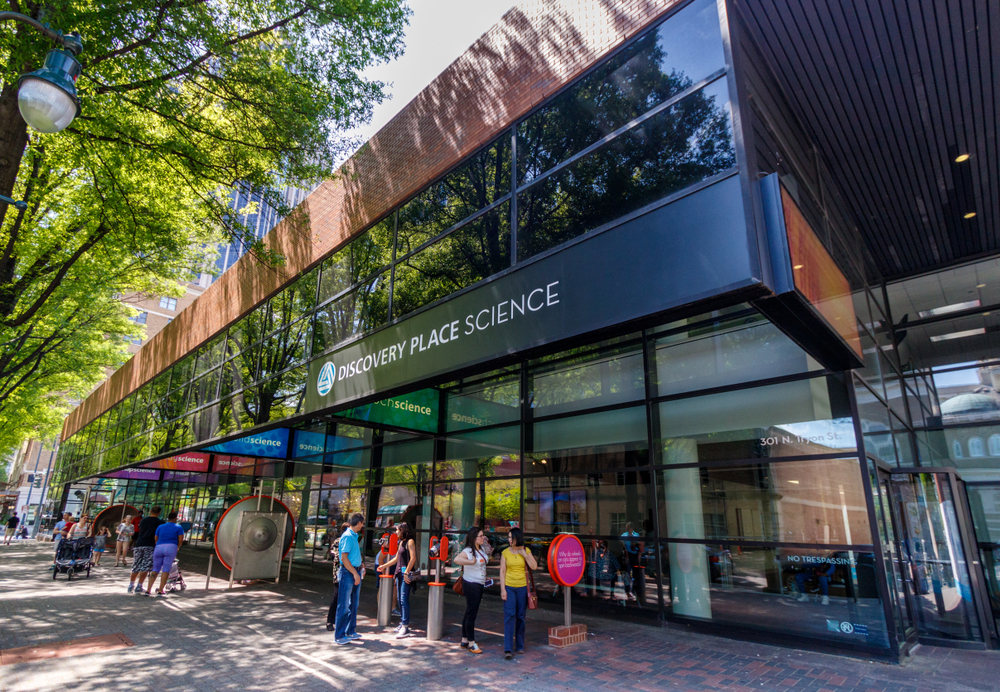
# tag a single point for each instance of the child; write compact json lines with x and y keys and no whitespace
{"x":99,"y":542}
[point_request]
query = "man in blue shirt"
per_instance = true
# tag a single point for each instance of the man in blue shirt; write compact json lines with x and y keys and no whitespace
{"x":349,"y":578}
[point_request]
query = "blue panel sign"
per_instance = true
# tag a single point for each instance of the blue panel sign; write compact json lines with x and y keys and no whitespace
{"x":270,"y":443}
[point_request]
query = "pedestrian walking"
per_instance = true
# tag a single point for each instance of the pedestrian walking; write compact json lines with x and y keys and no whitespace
{"x":331,"y":615}
{"x":167,"y":541}
{"x":349,"y":578}
{"x":142,"y":550}
{"x":82,"y":528}
{"x":58,"y":533}
{"x":11,"y":529}
{"x":100,"y":544}
{"x":405,"y":562}
{"x":514,"y":591}
{"x":472,"y":559}
{"x":125,"y":531}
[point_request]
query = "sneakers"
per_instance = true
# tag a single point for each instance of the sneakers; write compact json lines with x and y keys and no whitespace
{"x":329,"y":627}
{"x":398,"y":628}
{"x":826,"y":600}
{"x":404,"y":632}
{"x":343,"y":641}
{"x":803,"y":598}
{"x":138,"y":590}
{"x":507,"y":656}
{"x":354,"y":636}
{"x":160,"y":594}
{"x":131,"y":588}
{"x":465,"y":644}
{"x":396,"y":613}
{"x":474,"y":648}
{"x":520,"y":652}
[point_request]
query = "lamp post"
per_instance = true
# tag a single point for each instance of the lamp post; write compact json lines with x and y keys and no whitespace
{"x":47,"y":97}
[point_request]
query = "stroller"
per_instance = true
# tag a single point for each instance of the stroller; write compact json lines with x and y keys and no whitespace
{"x":175,"y":581}
{"x":73,"y":556}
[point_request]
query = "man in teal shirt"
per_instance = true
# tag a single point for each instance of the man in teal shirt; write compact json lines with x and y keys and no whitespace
{"x":349,"y":578}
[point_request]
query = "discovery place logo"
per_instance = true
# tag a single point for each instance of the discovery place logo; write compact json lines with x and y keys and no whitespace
{"x":327,"y":376}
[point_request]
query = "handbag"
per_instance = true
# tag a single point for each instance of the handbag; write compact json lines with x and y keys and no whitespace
{"x":457,"y":586}
{"x":532,"y":594}
{"x":412,"y":576}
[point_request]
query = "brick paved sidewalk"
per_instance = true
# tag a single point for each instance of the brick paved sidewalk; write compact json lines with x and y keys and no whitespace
{"x":274,"y":638}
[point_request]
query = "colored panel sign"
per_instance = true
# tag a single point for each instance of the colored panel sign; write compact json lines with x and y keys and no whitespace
{"x":695,"y":248}
{"x":238,"y":465}
{"x":817,"y":277}
{"x":270,"y":443}
{"x":413,"y":411}
{"x":135,"y":474}
{"x":567,"y":560}
{"x":192,"y":461}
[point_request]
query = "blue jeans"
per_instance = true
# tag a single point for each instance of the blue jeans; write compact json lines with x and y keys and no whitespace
{"x":404,"y":599}
{"x":514,"y":609}
{"x":347,"y":605}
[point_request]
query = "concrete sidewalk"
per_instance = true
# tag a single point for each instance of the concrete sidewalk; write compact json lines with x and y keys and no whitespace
{"x":274,"y":638}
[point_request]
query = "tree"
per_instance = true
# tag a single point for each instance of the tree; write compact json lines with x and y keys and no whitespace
{"x":183,"y":100}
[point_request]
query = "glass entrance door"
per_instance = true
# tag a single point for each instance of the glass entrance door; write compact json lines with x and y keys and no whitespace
{"x":938,"y":559}
{"x":898,"y":569}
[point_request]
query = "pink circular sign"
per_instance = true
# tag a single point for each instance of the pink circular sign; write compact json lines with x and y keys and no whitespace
{"x":567,"y":560}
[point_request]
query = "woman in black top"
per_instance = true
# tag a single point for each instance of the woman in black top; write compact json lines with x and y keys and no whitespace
{"x":406,"y":558}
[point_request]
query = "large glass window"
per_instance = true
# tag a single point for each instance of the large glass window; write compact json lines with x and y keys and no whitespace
{"x":793,"y":418}
{"x":469,"y":254}
{"x":608,"y":440}
{"x":359,"y":259}
{"x":588,"y":379}
{"x":483,"y":180}
{"x":743,"y":349}
{"x":819,"y":501}
{"x":684,"y":50}
{"x":361,"y":310}
{"x":677,"y":147}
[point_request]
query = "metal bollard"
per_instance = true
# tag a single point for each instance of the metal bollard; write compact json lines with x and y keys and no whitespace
{"x":435,"y":606}
{"x":208,"y":578}
{"x":386,"y":583}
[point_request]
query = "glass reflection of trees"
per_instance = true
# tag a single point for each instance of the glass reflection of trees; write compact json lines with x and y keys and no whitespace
{"x":457,"y":232}
{"x":675,"y":148}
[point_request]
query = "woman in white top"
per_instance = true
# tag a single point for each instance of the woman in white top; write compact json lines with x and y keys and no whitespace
{"x":473,"y":560}
{"x":125,"y":531}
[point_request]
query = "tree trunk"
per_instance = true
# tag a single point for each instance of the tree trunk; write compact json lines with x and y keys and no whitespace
{"x":13,"y":140}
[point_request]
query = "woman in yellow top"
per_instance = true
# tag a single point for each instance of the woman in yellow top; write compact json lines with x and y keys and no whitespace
{"x":514,"y":591}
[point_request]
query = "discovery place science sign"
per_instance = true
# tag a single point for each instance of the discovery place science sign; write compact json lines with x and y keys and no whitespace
{"x":694,"y":248}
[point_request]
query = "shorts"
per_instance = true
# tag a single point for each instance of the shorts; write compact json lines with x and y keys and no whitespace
{"x":163,"y":557}
{"x":142,"y":558}
{"x":9,"y":532}
{"x":98,"y":550}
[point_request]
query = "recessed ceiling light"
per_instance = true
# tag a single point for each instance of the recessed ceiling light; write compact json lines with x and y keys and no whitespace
{"x":798,"y":266}
{"x":969,"y":215}
{"x":954,"y":307}
{"x":959,"y":335}
{"x":980,"y":285}
{"x":795,"y":482}
{"x":961,"y":157}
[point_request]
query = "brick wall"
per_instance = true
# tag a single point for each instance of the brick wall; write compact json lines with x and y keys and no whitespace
{"x":536,"y":49}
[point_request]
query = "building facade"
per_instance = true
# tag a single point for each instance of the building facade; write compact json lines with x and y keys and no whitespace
{"x":600,"y":277}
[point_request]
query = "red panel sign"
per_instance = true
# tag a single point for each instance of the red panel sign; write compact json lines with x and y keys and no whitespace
{"x":192,"y":461}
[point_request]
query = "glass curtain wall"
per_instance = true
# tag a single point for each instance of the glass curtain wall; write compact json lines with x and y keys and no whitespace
{"x":645,"y":126}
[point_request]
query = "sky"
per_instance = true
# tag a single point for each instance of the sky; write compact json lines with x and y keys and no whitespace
{"x":439,"y":32}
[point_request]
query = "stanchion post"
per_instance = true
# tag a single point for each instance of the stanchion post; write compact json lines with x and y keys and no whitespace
{"x":208,"y":579}
{"x":290,"y":554}
{"x":385,"y":586}
{"x":567,"y":614}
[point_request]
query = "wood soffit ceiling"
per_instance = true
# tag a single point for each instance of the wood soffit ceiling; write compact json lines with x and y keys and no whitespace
{"x":893,"y":91}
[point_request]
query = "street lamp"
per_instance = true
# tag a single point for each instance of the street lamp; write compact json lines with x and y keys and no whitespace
{"x":47,"y":97}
